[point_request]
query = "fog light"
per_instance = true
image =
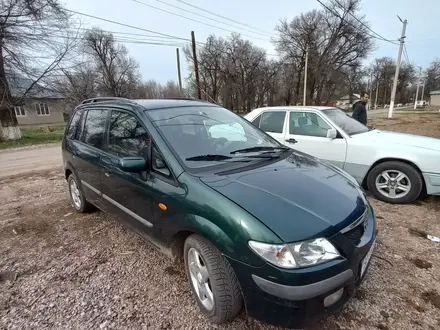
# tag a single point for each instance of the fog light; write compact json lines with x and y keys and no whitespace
{"x":334,"y":297}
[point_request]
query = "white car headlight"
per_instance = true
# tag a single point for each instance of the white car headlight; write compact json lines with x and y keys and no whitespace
{"x":296,"y":255}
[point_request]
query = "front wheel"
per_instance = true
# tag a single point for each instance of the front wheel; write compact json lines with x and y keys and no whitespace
{"x":212,"y":279}
{"x":395,"y":182}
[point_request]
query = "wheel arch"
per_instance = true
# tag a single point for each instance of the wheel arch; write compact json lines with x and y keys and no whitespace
{"x":393,"y":159}
{"x":193,"y":224}
{"x":227,"y":244}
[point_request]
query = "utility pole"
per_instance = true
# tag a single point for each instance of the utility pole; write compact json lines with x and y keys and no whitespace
{"x":418,"y":86}
{"x":305,"y":76}
{"x":377,"y":91}
{"x":178,"y":71}
{"x":396,"y":75}
{"x":371,"y":89}
{"x":196,"y":65}
{"x":423,"y":91}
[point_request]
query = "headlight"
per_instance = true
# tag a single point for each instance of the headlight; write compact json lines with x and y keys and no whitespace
{"x":296,"y":255}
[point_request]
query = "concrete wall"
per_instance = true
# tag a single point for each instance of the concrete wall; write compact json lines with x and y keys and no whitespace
{"x":56,"y":108}
{"x":435,"y":100}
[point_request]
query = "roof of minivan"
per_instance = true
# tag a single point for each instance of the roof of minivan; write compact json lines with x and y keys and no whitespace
{"x":151,"y":104}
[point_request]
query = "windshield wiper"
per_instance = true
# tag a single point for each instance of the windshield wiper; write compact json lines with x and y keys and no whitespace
{"x":269,"y":156}
{"x":256,"y":149}
{"x":209,"y":158}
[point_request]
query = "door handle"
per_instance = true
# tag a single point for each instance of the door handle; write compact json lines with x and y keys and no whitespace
{"x":291,"y":140}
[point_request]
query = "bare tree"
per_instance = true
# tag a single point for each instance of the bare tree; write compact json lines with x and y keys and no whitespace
{"x":77,"y":84}
{"x":335,"y":39}
{"x":433,"y":77}
{"x":118,"y":72}
{"x":383,"y":74}
{"x":34,"y":42}
{"x":154,"y":90}
{"x":233,"y":72}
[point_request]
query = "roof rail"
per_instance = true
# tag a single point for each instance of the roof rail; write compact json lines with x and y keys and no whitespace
{"x":103,"y":99}
{"x":181,"y":98}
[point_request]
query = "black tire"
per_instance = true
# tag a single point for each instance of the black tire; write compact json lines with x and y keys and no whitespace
{"x":228,"y":300}
{"x":413,"y":175}
{"x":85,"y":206}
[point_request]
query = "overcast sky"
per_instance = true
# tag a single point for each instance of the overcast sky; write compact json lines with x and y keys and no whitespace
{"x":159,"y":62}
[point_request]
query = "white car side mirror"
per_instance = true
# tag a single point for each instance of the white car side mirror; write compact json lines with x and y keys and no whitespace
{"x":331,"y":133}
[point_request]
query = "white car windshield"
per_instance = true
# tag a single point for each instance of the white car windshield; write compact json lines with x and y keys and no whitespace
{"x":345,"y":122}
{"x":210,"y":135}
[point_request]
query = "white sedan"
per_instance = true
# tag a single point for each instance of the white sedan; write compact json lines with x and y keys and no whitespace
{"x":396,"y":167}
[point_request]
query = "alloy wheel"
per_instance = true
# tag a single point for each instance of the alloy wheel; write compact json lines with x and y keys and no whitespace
{"x":200,"y":279}
{"x":393,"y":184}
{"x":75,"y":194}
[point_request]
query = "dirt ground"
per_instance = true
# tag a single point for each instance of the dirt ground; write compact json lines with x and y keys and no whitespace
{"x":425,"y":123}
{"x":63,"y":270}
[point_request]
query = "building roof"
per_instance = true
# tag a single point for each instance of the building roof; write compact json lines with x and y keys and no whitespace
{"x":435,"y":93}
{"x":19,"y":85}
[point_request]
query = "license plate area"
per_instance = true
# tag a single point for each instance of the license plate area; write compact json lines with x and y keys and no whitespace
{"x":366,"y":260}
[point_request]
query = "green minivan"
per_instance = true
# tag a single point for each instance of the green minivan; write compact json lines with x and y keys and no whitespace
{"x":256,"y":224}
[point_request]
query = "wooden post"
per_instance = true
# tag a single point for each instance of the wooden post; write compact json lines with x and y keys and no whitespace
{"x":196,"y":65}
{"x":178,"y":71}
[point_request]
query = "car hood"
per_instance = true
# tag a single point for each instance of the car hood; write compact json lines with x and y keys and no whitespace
{"x":411,"y":140}
{"x":297,"y":197}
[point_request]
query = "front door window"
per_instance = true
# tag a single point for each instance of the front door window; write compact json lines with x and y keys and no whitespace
{"x":127,"y":137}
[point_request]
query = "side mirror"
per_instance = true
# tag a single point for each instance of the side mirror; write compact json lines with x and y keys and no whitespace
{"x":331,"y":133}
{"x":133,"y":164}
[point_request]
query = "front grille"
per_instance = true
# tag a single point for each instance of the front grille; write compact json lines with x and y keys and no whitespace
{"x":355,"y":235}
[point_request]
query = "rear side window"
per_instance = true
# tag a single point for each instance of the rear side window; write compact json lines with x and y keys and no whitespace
{"x":93,"y":132}
{"x":127,"y":137}
{"x":273,"y":121}
{"x":71,"y":131}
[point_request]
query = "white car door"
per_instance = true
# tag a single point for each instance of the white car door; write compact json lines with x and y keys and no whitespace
{"x":273,"y":123}
{"x":307,"y":132}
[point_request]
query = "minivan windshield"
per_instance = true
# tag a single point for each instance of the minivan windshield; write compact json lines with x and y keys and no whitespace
{"x":208,"y":135}
{"x":345,"y":122}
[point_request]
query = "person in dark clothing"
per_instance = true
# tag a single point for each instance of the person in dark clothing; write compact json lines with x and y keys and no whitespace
{"x":360,"y":109}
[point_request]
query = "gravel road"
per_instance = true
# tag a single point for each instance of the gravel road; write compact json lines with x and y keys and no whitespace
{"x":23,"y":160}
{"x":63,"y":270}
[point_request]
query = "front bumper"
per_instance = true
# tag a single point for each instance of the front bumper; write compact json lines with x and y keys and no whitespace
{"x":295,"y":298}
{"x":432,"y":182}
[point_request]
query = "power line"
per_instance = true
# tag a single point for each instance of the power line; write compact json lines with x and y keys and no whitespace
{"x":122,"y":39}
{"x":338,"y":16}
{"x":364,"y":25}
{"x":129,"y":34}
{"x":405,"y":53}
{"x":211,"y":19}
{"x":223,"y":17}
{"x":194,"y":20}
{"x":126,"y":25}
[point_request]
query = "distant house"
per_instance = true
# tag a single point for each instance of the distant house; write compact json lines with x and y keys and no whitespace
{"x":344,"y":101}
{"x":41,"y":105}
{"x":434,"y":98}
